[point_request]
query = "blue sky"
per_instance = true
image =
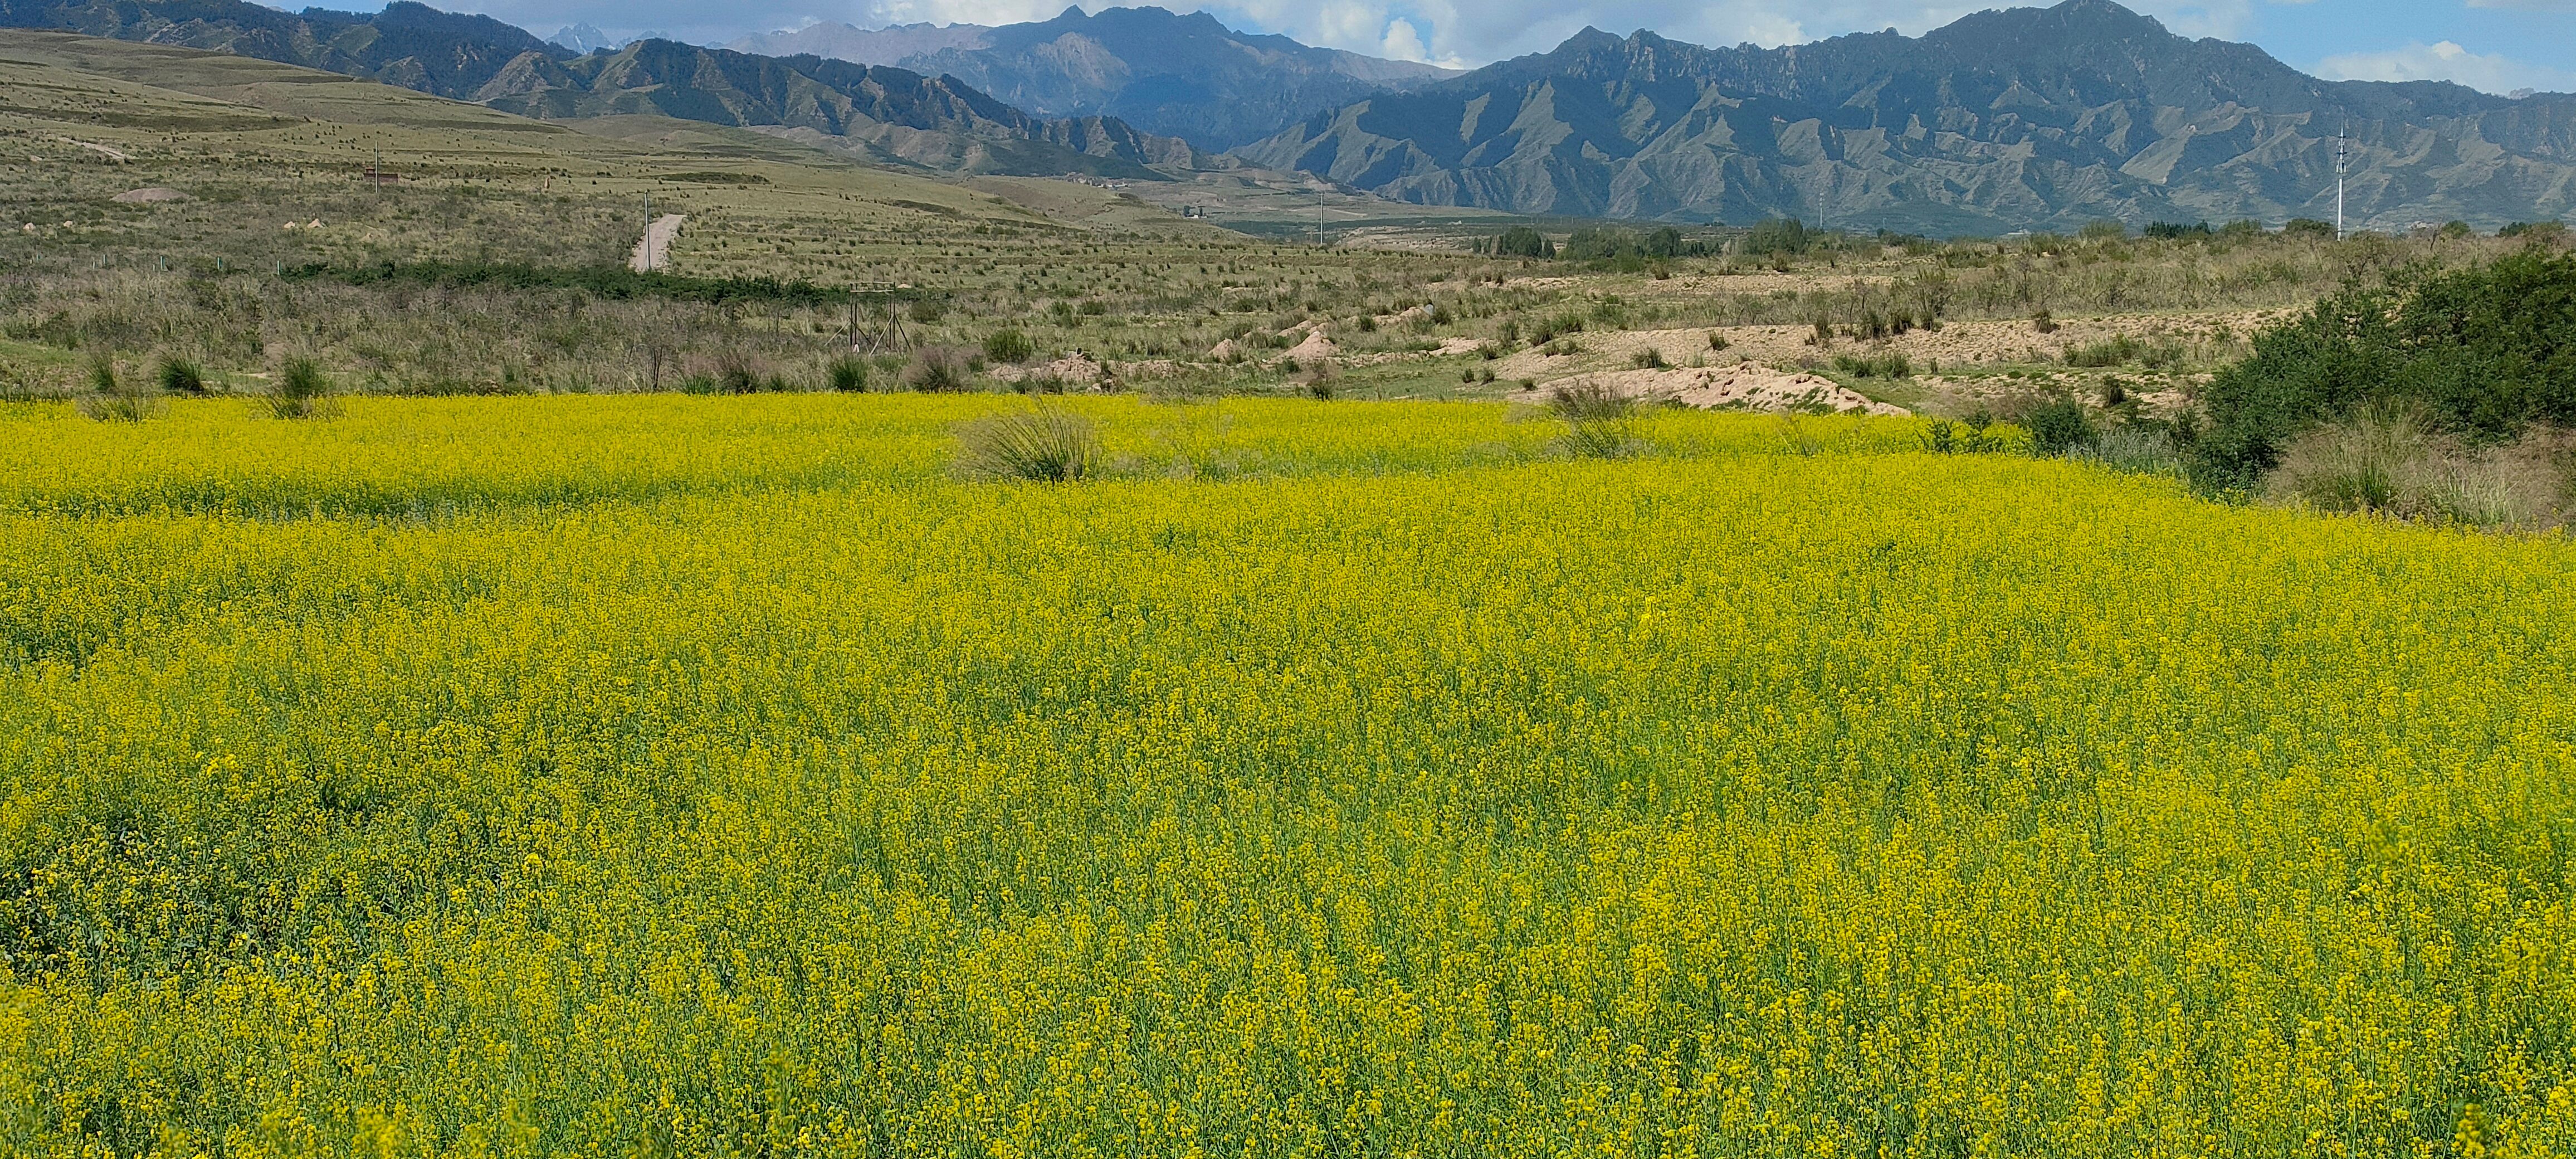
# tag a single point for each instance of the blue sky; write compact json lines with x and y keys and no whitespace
{"x":2496,"y":45}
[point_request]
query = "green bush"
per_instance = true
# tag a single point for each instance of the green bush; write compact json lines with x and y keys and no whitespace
{"x":2117,"y":351}
{"x":1009,"y":346}
{"x":1778,"y":235}
{"x":2485,"y":352}
{"x":1888,"y":365}
{"x":2061,"y":427}
{"x":1521,"y":241}
{"x":847,"y":373}
{"x":302,"y":391}
{"x":180,"y":376}
{"x":1046,"y":445}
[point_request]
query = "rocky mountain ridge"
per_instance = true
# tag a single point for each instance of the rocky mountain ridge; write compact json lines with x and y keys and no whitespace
{"x":2016,"y":119}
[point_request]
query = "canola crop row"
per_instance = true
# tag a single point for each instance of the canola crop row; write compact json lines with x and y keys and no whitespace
{"x":1766,"y":796}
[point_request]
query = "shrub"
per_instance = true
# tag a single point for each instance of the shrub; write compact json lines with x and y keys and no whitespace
{"x":1777,"y":235}
{"x":2104,"y":229}
{"x":2117,"y":351}
{"x":2135,"y":449}
{"x":2040,"y":321}
{"x":1647,"y":359}
{"x":847,"y":373}
{"x":2307,"y":227}
{"x":302,"y":391}
{"x":1584,"y":399}
{"x":2393,"y":459}
{"x":1009,"y":346}
{"x":1044,"y":445}
{"x":1888,"y":365}
{"x":1717,"y":341}
{"x":1521,"y":241}
{"x":111,"y":400}
{"x":2484,"y":352}
{"x":1547,"y":331}
{"x":937,"y":370}
{"x":2176,"y":231}
{"x":180,"y":376}
{"x":2059,"y":427}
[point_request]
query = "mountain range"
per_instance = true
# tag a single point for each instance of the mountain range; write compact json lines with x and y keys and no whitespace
{"x":1184,"y":76}
{"x":1181,"y":76}
{"x":2014,"y":119}
{"x":886,"y":115}
{"x":2026,"y":118}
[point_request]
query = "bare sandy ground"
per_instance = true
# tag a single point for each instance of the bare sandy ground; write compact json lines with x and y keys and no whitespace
{"x":1744,"y":386}
{"x":1954,"y":344}
{"x":654,"y":252}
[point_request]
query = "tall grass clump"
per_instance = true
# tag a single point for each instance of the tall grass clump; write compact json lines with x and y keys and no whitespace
{"x":302,"y":391}
{"x":1600,"y":422}
{"x":2394,"y":459}
{"x":1044,"y":445}
{"x":113,"y":399}
{"x":847,"y":374}
{"x":938,"y":370}
{"x":181,"y":376}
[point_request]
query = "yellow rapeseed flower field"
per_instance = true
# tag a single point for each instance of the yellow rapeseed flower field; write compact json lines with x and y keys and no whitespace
{"x":675,"y":776}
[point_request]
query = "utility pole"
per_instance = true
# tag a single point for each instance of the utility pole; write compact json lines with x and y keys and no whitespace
{"x":2342,"y":151}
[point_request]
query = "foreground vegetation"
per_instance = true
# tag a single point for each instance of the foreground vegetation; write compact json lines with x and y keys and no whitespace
{"x":668,"y":775}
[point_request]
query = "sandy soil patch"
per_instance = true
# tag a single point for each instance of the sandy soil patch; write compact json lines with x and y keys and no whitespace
{"x":1317,"y":346}
{"x":1955,"y":343}
{"x":1744,"y":386}
{"x":1076,"y":371}
{"x":654,"y":251}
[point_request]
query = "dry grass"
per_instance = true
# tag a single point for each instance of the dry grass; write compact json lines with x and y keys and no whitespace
{"x":2393,"y":461}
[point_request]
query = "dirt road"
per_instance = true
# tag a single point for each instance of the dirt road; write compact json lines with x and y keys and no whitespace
{"x":654,"y":252}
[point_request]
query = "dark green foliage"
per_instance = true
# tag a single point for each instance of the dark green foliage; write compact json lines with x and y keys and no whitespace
{"x":1889,"y":365}
{"x":1521,"y":241}
{"x":2176,"y":231}
{"x":180,"y":376}
{"x":1609,"y":242}
{"x":847,"y":373}
{"x":2484,"y":352}
{"x":1778,"y":235}
{"x":613,"y":282}
{"x":1547,"y":331}
{"x":1009,"y":346}
{"x":2308,"y":227}
{"x":1045,"y":445}
{"x":2060,"y":426}
{"x":302,"y":391}
{"x":2117,"y":351}
{"x":1647,"y":359}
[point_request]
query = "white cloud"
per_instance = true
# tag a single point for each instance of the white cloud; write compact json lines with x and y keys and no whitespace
{"x":2444,"y":60}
